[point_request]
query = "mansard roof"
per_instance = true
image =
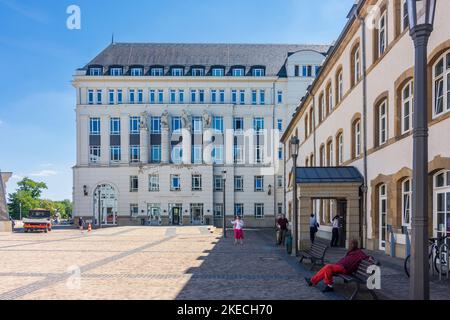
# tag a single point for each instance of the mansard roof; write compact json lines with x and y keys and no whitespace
{"x":270,"y":56}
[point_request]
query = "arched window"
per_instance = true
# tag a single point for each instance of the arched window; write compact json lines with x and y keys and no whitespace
{"x":322,"y":111}
{"x":311,"y":160}
{"x":381,"y":124}
{"x":442,"y":202}
{"x":330,"y":98}
{"x":307,"y":162}
{"x":382,"y":34}
{"x":340,"y":149}
{"x":311,"y":120}
{"x":355,"y":65}
{"x":406,"y":202}
{"x":330,"y":153}
{"x":441,"y":85}
{"x":356,"y":138}
{"x":322,"y":155}
{"x":306,"y":127}
{"x":407,"y":107}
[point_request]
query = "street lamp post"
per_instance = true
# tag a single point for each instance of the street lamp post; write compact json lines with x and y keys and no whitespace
{"x":294,"y":152}
{"x":20,"y":210}
{"x":224,"y":200}
{"x":421,"y":18}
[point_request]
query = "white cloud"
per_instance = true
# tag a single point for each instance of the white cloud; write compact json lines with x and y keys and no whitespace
{"x":44,"y":173}
{"x":16,"y":177}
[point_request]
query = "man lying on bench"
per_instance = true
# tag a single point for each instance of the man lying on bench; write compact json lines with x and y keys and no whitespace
{"x":347,"y":265}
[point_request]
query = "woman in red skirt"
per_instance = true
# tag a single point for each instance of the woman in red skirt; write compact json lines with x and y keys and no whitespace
{"x":238,"y":227}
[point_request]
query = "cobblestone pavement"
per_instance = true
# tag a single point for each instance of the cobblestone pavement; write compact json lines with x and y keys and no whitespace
{"x":149,"y":263}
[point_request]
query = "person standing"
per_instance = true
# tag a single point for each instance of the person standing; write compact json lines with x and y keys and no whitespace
{"x":81,"y":224}
{"x":313,"y":227}
{"x":282,"y":224}
{"x":335,"y":232}
{"x":238,"y":227}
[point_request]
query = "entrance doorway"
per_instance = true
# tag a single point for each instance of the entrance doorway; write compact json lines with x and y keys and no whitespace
{"x":105,"y":205}
{"x":154,"y":214}
{"x":176,"y":214}
{"x":342,"y":212}
{"x":197,"y":213}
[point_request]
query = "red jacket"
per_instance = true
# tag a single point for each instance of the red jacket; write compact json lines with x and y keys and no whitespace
{"x":352,"y":260}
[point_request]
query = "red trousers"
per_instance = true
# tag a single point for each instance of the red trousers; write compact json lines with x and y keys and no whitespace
{"x":326,"y":274}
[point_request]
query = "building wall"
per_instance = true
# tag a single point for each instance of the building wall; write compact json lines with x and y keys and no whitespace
{"x":391,"y":162}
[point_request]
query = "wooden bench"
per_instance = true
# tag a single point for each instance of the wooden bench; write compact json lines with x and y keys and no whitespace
{"x":359,"y":277}
{"x":316,"y":254}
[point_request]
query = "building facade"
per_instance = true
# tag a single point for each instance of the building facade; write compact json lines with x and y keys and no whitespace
{"x":359,"y":111}
{"x":159,"y":127}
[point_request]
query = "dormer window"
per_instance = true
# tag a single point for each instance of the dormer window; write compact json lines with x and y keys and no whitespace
{"x":177,"y":72}
{"x":258,"y":72}
{"x":137,"y":72}
{"x":238,"y":72}
{"x":116,"y":71}
{"x":95,"y":71}
{"x":217,"y":72}
{"x":157,"y":72}
{"x":198,"y":72}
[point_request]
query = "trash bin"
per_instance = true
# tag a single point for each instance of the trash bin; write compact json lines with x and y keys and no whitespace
{"x":288,"y":240}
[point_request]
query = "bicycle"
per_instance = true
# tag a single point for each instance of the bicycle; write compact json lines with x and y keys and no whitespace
{"x":436,"y":257}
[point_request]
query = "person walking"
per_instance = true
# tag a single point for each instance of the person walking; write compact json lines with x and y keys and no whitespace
{"x":282,"y":224}
{"x":81,"y":224}
{"x":335,"y":231}
{"x":238,"y":227}
{"x":313,"y":227}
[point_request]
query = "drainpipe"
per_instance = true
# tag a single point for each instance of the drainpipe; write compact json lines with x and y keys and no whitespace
{"x":275,"y":155}
{"x":314,"y":128}
{"x":363,"y":215}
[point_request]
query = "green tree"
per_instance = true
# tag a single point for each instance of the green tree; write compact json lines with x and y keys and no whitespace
{"x":26,"y":196}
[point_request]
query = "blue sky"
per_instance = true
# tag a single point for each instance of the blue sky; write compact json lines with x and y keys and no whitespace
{"x":39,"y":56}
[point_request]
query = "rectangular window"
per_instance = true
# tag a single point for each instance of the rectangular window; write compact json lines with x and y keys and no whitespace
{"x":119,"y":96}
{"x":177,"y":154}
{"x":280,"y":125}
{"x":114,"y":128}
{"x":116,"y":72}
{"x":135,"y":154}
{"x":198,"y":72}
{"x":280,"y":153}
{"x":222,"y":96}
{"x":111,"y":96}
{"x":95,"y":71}
{"x":176,"y":124}
{"x":197,"y":124}
{"x":217,"y":72}
{"x":152,"y":97}
{"x":238,"y":124}
{"x":262,"y":96}
{"x":279,"y":181}
{"x":90,"y":96}
{"x":258,"y":125}
{"x":254,"y":96}
{"x":131,"y":96}
{"x":238,"y":72}
{"x":160,"y":96}
{"x":383,"y":123}
{"x":177,"y":72}
{"x":238,"y":154}
{"x":140,"y":96}
{"x":382,"y":39}
{"x":239,"y":209}
{"x":156,"y":153}
{"x":297,"y":71}
{"x":242,"y":96}
{"x":258,"y":72}
{"x":173,"y":96}
{"x":99,"y":96}
{"x":180,"y":96}
{"x":259,"y":153}
{"x":218,"y":210}
{"x":259,"y":210}
{"x":193,"y":96}
{"x":175,"y":183}
{"x":196,"y":182}
{"x":218,"y":124}
{"x":134,"y":184}
{"x":317,"y":70}
{"x":94,"y":127}
{"x":153,"y":182}
{"x":218,"y":183}
{"x":156,"y":125}
{"x":115,"y":154}
{"x":259,"y":183}
{"x":157,"y":72}
{"x":136,"y":72}
{"x":135,"y":125}
{"x":94,"y":154}
{"x":238,"y":183}
{"x":234,"y":96}
{"x":213,"y":96}
{"x":197,"y":154}
{"x":280,"y":97}
{"x":201,"y":96}
{"x":134,"y":210}
{"x":217,"y":154}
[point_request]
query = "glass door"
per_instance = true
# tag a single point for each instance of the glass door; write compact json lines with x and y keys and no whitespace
{"x":197,"y":214}
{"x":154,"y":214}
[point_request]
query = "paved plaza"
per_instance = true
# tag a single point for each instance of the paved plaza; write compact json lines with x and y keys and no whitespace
{"x":169,"y":263}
